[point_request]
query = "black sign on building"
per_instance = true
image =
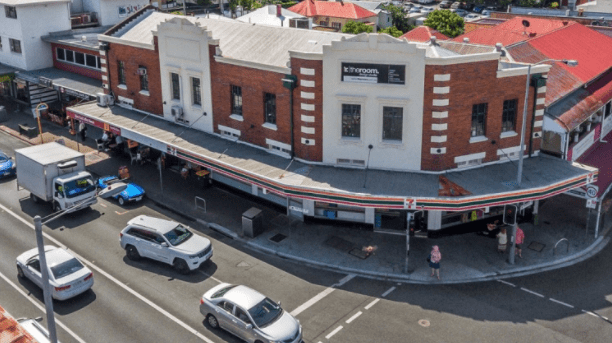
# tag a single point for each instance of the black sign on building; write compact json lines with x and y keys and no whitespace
{"x":374,"y":73}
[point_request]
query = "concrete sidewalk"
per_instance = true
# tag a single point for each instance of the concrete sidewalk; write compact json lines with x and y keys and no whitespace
{"x":465,"y":258}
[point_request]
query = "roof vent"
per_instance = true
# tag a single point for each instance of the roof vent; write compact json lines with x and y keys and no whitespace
{"x":466,"y":40}
{"x":565,"y":23}
{"x":433,"y":40}
{"x":498,"y":46}
{"x":83,"y":38}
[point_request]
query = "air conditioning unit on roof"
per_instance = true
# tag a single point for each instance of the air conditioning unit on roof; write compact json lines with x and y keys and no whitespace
{"x":142,"y":71}
{"x":105,"y":99}
{"x":177,"y":111}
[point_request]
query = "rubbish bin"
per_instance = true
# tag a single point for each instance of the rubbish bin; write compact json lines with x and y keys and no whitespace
{"x":252,"y":222}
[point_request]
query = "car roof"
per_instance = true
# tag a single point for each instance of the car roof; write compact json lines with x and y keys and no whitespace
{"x":156,"y":224}
{"x":54,"y":255}
{"x":244,"y":296}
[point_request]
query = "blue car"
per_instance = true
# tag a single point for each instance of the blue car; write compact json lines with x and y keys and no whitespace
{"x":7,"y":166}
{"x":478,"y":9}
{"x":133,"y":192}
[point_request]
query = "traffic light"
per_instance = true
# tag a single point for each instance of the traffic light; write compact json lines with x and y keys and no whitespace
{"x":510,"y":214}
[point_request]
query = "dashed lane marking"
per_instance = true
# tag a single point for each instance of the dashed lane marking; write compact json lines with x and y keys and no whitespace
{"x":117,"y":282}
{"x":321,"y":295}
{"x":506,"y":283}
{"x":121,"y":213}
{"x":103,"y":205}
{"x":42,"y":308}
{"x":388,"y":291}
{"x":561,"y":303}
{"x":368,"y":306}
{"x":532,"y":292}
{"x":348,"y":321}
{"x":329,"y":335}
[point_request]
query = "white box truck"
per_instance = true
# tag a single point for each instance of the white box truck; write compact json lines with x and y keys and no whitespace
{"x":55,"y":174}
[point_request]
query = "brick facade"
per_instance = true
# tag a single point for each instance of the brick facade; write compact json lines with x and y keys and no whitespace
{"x":133,"y":58}
{"x":76,"y":68}
{"x":470,"y":84}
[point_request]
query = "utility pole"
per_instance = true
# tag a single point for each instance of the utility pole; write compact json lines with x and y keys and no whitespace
{"x":45,"y":280}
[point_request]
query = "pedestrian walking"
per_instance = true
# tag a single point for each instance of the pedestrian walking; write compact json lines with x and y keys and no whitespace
{"x":520,"y":239}
{"x":434,"y":261}
{"x":502,"y":241}
{"x":82,"y":130}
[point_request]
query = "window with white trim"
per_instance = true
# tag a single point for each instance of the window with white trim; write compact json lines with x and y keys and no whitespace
{"x":176,"y":86}
{"x":509,"y":115}
{"x":15,"y":45}
{"x":270,"y":108}
{"x":121,"y":72}
{"x":236,"y":98}
{"x":10,"y":11}
{"x":351,"y":120}
{"x":75,"y":57}
{"x":196,"y":91}
{"x":479,"y":117}
{"x":144,"y":78}
{"x":392,"y":123}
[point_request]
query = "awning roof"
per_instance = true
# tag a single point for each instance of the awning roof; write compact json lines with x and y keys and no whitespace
{"x":76,"y":82}
{"x":600,"y":157}
{"x":489,"y":185}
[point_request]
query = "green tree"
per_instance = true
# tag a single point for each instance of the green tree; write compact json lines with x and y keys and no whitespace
{"x":355,"y":27}
{"x":446,"y":22}
{"x":398,"y":18}
{"x":392,"y":31}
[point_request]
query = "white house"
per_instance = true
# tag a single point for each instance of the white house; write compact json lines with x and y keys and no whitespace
{"x":22,"y":23}
{"x":108,"y":12}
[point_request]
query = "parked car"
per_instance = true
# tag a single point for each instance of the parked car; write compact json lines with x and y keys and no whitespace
{"x":67,"y":275}
{"x":249,"y":315}
{"x":133,"y":192}
{"x":460,"y":12}
{"x":478,"y":9}
{"x":165,"y":241}
{"x":466,"y":6}
{"x":455,"y":5}
{"x":471,"y":16}
{"x":491,"y":8}
{"x":445,"y":4}
{"x":485,"y":13}
{"x":415,"y":10}
{"x":427,"y":9}
{"x":7,"y":166}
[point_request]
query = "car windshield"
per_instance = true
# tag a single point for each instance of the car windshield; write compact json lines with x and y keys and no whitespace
{"x":222,"y":291}
{"x":178,"y":235}
{"x":109,"y":180}
{"x":3,"y":157}
{"x":265,"y":313}
{"x":66,"y":268}
{"x":79,"y":186}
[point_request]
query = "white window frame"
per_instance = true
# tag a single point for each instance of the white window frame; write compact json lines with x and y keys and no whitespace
{"x":98,"y":66}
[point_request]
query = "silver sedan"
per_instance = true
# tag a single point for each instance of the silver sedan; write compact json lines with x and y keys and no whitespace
{"x":249,"y":315}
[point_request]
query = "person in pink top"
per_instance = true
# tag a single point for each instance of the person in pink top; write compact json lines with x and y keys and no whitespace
{"x":434,"y":261}
{"x":520,"y":238}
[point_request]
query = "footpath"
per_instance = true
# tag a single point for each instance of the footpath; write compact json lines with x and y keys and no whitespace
{"x":465,"y":257}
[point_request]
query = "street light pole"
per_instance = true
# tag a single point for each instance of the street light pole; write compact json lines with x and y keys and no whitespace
{"x":45,"y":280}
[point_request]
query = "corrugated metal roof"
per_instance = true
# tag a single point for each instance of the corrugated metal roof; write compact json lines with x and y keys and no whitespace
{"x":465,"y":48}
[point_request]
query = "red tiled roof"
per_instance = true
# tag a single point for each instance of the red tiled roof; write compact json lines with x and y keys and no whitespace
{"x":512,"y":31}
{"x":423,"y":34}
{"x":312,"y":8}
{"x":11,"y":331}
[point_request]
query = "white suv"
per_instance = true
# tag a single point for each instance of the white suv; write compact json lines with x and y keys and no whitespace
{"x":165,"y":241}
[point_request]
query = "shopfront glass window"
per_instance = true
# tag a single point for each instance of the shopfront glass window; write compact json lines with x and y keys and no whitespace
{"x":176,"y":87}
{"x":392,"y":123}
{"x":479,"y":116}
{"x":61,"y":54}
{"x":15,"y":45}
{"x":196,"y":91}
{"x":270,"y":108}
{"x":22,"y":91}
{"x":351,"y":120}
{"x":121,"y":72}
{"x":509,"y":115}
{"x":236,"y":94}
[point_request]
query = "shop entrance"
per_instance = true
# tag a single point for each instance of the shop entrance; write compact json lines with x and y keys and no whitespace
{"x":390,"y":221}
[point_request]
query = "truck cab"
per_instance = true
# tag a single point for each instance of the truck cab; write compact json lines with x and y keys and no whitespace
{"x":74,"y":189}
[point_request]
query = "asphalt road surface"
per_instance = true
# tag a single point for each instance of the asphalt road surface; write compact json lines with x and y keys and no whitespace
{"x":148,"y":301}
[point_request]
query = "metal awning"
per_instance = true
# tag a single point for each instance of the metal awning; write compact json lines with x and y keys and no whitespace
{"x":65,"y":82}
{"x":489,"y":185}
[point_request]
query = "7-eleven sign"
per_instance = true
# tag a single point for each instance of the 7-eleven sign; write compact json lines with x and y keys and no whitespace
{"x":410,"y":203}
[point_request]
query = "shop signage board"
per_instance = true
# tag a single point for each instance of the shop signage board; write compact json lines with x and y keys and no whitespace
{"x":373,"y":73}
{"x":105,"y":126}
{"x":591,"y":203}
{"x":76,"y":94}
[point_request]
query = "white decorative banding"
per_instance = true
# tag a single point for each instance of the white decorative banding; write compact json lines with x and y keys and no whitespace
{"x":307,"y":71}
{"x":439,"y":127}
{"x":542,"y":89}
{"x":538,"y":123}
{"x":440,"y":102}
{"x":442,"y":77}
{"x":439,"y":115}
{"x":307,"y":95}
{"x":308,"y":141}
{"x":307,"y":83}
{"x":308,"y":130}
{"x":103,"y":69}
{"x":438,"y":151}
{"x":103,"y":60}
{"x":540,"y":101}
{"x":470,"y":157}
{"x":308,"y":119}
{"x":509,"y":150}
{"x":539,"y":113}
{"x":105,"y":86}
{"x":438,"y":139}
{"x":228,"y":129}
{"x":537,"y":134}
{"x":307,"y":107}
{"x":441,"y":90}
{"x":102,"y":53}
{"x":104,"y":78}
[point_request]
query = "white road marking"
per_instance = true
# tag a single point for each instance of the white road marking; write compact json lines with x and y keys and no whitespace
{"x":532,"y":292}
{"x":210,"y":276}
{"x":372,"y":304}
{"x":561,"y":303}
{"x":354,"y":317}
{"x":41,"y":307}
{"x":321,"y":295}
{"x":506,"y":283}
{"x":388,"y":291}
{"x":119,"y":283}
{"x":591,"y":313}
{"x":334,"y":332}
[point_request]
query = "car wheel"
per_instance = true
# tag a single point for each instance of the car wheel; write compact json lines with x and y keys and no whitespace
{"x":20,"y":272}
{"x":56,"y":207}
{"x":132,"y":253}
{"x":212,"y":321}
{"x":181,"y":266}
{"x":121,"y":201}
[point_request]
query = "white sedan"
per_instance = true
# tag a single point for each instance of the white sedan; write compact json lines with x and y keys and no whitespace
{"x":68,"y":277}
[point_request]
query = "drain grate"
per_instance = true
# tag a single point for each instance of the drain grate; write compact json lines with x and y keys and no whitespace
{"x":277,"y":238}
{"x":339,"y":243}
{"x":536,"y":246}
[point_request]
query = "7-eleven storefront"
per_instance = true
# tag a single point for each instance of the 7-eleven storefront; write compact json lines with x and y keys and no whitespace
{"x":308,"y":191}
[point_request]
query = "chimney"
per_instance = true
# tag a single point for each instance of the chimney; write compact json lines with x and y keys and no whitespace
{"x":498,"y":47}
{"x":466,"y":40}
{"x":278,"y":10}
{"x":83,"y":38}
{"x":271,"y":9}
{"x":310,"y":23}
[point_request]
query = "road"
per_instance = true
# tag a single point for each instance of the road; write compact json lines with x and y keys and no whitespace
{"x":147,"y":301}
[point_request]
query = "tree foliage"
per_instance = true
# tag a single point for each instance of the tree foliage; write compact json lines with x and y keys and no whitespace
{"x":392,"y":31}
{"x":398,"y":18}
{"x":446,"y":22}
{"x":355,"y":27}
